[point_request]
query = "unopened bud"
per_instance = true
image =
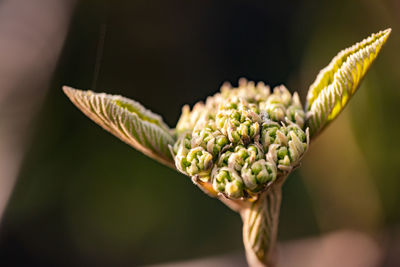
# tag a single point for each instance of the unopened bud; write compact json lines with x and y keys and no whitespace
{"x":242,"y":139}
{"x":228,"y":182}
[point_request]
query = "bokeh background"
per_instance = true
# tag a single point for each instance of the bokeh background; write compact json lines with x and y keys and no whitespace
{"x":83,"y":198}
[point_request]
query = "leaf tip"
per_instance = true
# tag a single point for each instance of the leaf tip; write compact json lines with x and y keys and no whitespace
{"x":69,"y":91}
{"x":385,"y":34}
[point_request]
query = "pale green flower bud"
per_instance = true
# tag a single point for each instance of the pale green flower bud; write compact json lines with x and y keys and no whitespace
{"x":188,"y":119}
{"x":247,"y":90}
{"x":181,"y":149}
{"x":236,"y":157}
{"x":201,"y":163}
{"x":238,"y":120}
{"x":295,"y":112}
{"x":298,"y":142}
{"x":210,"y":139}
{"x":288,"y":147}
{"x":276,"y":104}
{"x":250,"y":164}
{"x":256,"y":176}
{"x":193,"y":161}
{"x":268,"y":133}
{"x":281,"y":105}
{"x":228,"y":182}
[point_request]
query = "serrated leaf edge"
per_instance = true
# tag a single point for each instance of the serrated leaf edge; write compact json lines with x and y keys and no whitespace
{"x":125,"y":124}
{"x":336,"y":83}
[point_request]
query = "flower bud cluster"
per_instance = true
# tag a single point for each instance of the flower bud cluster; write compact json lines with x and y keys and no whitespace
{"x":280,"y":105}
{"x":283,"y":145}
{"x":242,"y":170}
{"x":192,"y":160}
{"x":242,"y":139}
{"x":238,"y":120}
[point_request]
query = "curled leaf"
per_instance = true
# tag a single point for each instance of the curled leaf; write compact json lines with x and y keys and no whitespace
{"x":337,"y":83}
{"x":128,"y":120}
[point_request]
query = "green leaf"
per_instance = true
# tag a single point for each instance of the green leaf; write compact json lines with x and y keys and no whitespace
{"x":128,"y":120}
{"x":337,"y":83}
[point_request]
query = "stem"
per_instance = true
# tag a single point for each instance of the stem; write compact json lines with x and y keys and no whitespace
{"x":260,"y":227}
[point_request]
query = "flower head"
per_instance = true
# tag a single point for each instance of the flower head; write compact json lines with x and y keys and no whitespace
{"x":242,"y":139}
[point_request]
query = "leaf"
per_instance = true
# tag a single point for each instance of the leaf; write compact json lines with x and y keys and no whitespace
{"x":337,"y":83}
{"x":128,"y":120}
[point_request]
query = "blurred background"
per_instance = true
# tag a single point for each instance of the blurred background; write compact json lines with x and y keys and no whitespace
{"x":73,"y":195}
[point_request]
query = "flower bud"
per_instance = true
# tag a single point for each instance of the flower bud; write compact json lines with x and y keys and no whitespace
{"x":228,"y":182}
{"x":281,"y":105}
{"x":193,"y":161}
{"x":288,"y":147}
{"x":210,"y":139}
{"x":268,"y":133}
{"x":295,"y":112}
{"x":258,"y":174}
{"x":238,"y":120}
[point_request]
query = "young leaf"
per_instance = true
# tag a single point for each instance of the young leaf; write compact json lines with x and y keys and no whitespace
{"x":128,"y":120}
{"x":337,"y":83}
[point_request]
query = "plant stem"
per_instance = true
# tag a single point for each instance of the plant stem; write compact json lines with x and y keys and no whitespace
{"x":260,"y":227}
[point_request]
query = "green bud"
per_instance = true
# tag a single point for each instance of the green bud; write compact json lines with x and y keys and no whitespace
{"x":295,"y":112}
{"x":210,"y":139}
{"x":228,"y":182}
{"x":276,"y":111}
{"x":285,"y":161}
{"x":234,"y":189}
{"x":268,"y":133}
{"x":181,"y":151}
{"x":222,"y":140}
{"x":192,"y":161}
{"x":282,"y":152}
{"x":223,"y":159}
{"x":296,"y":115}
{"x":249,"y":178}
{"x":257,"y":175}
{"x":236,"y":161}
{"x":238,"y":121}
{"x":288,"y":147}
